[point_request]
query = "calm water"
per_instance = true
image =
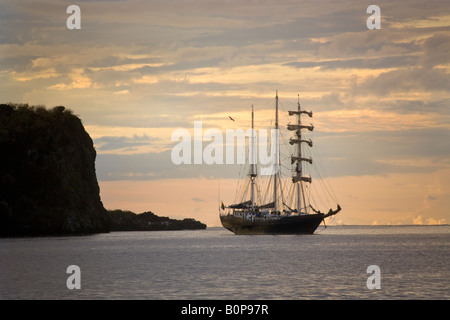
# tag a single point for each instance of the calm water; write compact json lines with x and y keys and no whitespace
{"x":215,"y":264}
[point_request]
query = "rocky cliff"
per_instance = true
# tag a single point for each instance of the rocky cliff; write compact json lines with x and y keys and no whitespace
{"x":148,"y":221}
{"x":48,"y":184}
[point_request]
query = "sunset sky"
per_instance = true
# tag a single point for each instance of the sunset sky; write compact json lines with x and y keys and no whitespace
{"x":138,"y":70}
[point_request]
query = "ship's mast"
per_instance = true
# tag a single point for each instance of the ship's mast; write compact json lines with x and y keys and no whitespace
{"x":298,"y":158}
{"x":253,"y":173}
{"x":276,"y":156}
{"x":299,"y":153}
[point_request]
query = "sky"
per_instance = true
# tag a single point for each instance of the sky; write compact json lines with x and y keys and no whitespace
{"x":138,"y":70}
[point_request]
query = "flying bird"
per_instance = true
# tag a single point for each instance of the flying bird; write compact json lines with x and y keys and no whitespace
{"x":231,"y":118}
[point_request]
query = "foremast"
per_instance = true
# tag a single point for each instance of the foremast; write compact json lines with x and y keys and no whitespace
{"x":253,"y":161}
{"x":298,"y":159}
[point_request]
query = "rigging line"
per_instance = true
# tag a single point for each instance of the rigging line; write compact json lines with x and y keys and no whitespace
{"x":267,"y":194}
{"x":330,"y":219}
{"x":323,"y":185}
{"x":319,"y":169}
{"x":247,"y":187}
{"x":244,"y":183}
{"x":325,"y":172}
{"x":281,"y":190}
{"x":258,"y":193}
{"x":320,"y":181}
{"x":261,"y":190}
{"x":313,"y":200}
{"x":218,"y":192}
{"x":238,"y":184}
{"x":303,"y":195}
{"x":325,"y":201}
{"x":310,"y":196}
{"x":317,"y":203}
{"x":284,"y":167}
{"x":326,"y":184}
{"x":240,"y":190}
{"x":291,"y":194}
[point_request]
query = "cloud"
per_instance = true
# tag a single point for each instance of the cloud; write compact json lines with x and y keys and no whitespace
{"x":436,"y":50}
{"x":154,"y":166}
{"x":408,"y":80}
{"x":107,"y":143}
{"x":383,"y":152}
{"x":359,"y":63}
{"x":428,"y":221}
{"x":408,"y":106}
{"x":351,"y":153}
{"x":177,"y":61}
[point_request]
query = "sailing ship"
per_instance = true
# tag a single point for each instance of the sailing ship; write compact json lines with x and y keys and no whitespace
{"x":277,"y":217}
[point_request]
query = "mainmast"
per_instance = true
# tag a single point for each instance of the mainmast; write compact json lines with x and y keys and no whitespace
{"x":253,"y":171}
{"x":298,"y":158}
{"x":276,"y":156}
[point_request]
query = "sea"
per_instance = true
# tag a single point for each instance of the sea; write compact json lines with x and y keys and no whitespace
{"x":336,"y":263}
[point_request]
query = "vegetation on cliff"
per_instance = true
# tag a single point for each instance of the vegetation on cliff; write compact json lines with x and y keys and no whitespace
{"x":148,"y":221}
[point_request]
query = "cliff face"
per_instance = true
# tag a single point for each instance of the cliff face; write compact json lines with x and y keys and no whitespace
{"x":48,"y":184}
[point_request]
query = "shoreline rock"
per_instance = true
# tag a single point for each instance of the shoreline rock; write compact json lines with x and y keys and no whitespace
{"x":147,"y":221}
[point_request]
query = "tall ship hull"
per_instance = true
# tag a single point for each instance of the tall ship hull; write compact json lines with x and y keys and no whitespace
{"x":289,"y":208}
{"x":303,"y":224}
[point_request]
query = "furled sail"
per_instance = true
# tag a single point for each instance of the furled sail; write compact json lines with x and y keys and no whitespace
{"x":242,"y":205}
{"x":293,"y":127}
{"x":300,"y":178}
{"x":294,"y":140}
{"x":267,"y":206}
{"x":310,"y":114}
{"x":294,"y":158}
